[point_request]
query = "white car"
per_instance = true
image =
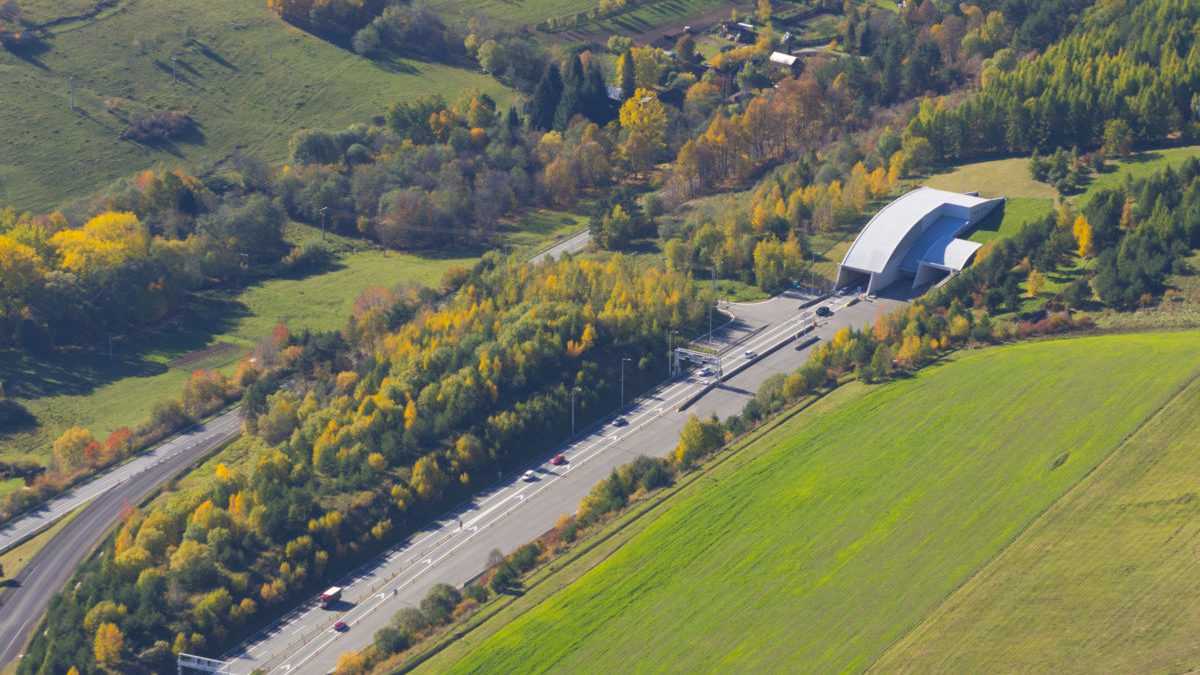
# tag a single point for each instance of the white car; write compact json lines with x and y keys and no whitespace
{"x":749,"y":354}
{"x":529,"y":476}
{"x":705,"y":371}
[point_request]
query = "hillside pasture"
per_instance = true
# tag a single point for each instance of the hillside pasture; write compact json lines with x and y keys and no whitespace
{"x":248,"y":79}
{"x":835,"y":534}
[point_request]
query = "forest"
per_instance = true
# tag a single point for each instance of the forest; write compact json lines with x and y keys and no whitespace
{"x":414,"y":404}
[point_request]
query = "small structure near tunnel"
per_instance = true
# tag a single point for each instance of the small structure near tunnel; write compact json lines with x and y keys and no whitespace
{"x":915,"y":236}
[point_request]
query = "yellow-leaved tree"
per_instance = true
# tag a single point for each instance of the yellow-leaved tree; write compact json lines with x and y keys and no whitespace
{"x":644,"y":120}
{"x":1083,"y":237}
{"x":109,"y":644}
{"x":104,"y":242}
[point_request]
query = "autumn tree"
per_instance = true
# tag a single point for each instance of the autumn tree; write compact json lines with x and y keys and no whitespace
{"x":698,"y":438}
{"x":1084,"y":240}
{"x":72,"y":448}
{"x":644,"y":121}
{"x":1035,"y":283}
{"x":108,"y":645}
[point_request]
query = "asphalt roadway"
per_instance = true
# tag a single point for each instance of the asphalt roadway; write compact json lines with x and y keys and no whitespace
{"x":573,"y":244}
{"x":455,"y":549}
{"x":24,"y":601}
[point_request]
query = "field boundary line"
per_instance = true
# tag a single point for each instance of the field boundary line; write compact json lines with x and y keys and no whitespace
{"x":1079,"y":485}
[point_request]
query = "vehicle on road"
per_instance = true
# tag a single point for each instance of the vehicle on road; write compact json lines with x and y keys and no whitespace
{"x":341,"y":627}
{"x":529,"y":476}
{"x":558,"y":460}
{"x":330,"y":596}
{"x":705,"y":371}
{"x":749,"y":354}
{"x":824,"y":311}
{"x":620,"y":422}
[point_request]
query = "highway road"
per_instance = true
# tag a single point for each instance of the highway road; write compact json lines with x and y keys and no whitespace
{"x":204,"y":436}
{"x":22,"y":605}
{"x":519,"y":510}
{"x":573,"y":244}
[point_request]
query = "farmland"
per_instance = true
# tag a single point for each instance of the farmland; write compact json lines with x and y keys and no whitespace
{"x":854,"y":536}
{"x":248,"y":79}
{"x":1102,"y":583}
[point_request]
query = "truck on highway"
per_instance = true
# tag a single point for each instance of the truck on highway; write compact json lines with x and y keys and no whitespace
{"x":330,"y":596}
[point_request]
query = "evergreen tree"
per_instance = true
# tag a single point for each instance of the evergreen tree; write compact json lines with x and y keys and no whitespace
{"x":594,"y":97}
{"x":546,"y":95}
{"x":628,"y":80}
{"x":570,"y":103}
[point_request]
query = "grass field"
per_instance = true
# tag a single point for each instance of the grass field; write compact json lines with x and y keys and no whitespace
{"x":1139,"y":166}
{"x":836,"y":534}
{"x":517,"y":13}
{"x":248,"y":79}
{"x":1017,"y":213}
{"x":85,"y":388}
{"x":998,"y":178}
{"x":1105,"y":582}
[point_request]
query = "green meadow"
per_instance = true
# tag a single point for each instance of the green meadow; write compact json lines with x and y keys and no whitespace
{"x":833,"y":536}
{"x":247,"y":78}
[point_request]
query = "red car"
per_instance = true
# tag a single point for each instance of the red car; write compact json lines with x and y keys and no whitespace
{"x":558,"y":460}
{"x":341,"y":627}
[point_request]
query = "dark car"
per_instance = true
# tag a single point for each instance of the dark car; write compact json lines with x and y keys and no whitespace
{"x":558,"y":460}
{"x":341,"y":627}
{"x":620,"y":422}
{"x":824,"y":311}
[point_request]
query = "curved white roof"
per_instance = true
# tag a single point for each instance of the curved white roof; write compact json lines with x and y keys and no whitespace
{"x":877,"y":243}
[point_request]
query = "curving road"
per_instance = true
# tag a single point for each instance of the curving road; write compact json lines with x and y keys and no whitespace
{"x":457,"y":548}
{"x":26,"y":598}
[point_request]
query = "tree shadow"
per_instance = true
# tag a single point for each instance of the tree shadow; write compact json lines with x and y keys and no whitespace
{"x":212,"y":55}
{"x":81,"y":370}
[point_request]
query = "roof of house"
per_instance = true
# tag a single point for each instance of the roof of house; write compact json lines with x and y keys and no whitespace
{"x":876,"y":245}
{"x":784,"y":59}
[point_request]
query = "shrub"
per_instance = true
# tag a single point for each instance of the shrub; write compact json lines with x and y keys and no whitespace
{"x":158,"y":127}
{"x":440,"y":602}
{"x":410,"y":620}
{"x":311,"y":256}
{"x":391,"y":640}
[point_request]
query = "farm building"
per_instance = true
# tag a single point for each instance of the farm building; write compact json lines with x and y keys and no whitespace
{"x":786,"y":62}
{"x":916,"y":236}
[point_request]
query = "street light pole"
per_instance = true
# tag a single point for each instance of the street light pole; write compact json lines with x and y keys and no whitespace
{"x":323,"y":210}
{"x":713,"y":270}
{"x":574,"y":390}
{"x":623,"y":360}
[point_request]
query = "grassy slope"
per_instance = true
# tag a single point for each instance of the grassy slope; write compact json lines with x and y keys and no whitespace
{"x":1139,"y":166}
{"x":248,"y":79}
{"x":1103,"y":583}
{"x":85,"y":388}
{"x":831,"y":543}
